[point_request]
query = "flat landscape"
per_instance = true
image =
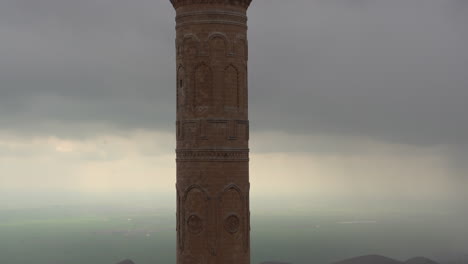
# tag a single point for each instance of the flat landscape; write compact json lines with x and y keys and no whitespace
{"x":107,"y":232}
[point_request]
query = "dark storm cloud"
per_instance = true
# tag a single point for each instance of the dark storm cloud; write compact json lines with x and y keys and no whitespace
{"x":391,"y":70}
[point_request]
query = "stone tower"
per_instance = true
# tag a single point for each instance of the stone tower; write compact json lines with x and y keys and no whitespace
{"x":213,"y":217}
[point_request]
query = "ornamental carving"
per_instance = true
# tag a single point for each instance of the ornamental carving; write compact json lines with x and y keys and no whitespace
{"x":212,"y":155}
{"x":195,"y":224}
{"x":232,"y":224}
{"x":217,"y":44}
{"x":193,"y":214}
{"x":232,"y":207}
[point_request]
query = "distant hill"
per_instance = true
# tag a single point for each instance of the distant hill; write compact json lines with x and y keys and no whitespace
{"x":274,"y":262}
{"x":420,"y":260}
{"x":370,"y":259}
{"x":127,"y":261}
{"x":376,"y":259}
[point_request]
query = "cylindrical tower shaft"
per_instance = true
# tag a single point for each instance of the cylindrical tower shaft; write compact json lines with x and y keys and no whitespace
{"x":213,"y":217}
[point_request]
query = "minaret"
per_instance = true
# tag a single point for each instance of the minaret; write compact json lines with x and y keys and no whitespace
{"x":213,"y":217}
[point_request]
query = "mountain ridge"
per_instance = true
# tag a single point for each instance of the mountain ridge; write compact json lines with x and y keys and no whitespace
{"x":367,"y":259}
{"x":377,"y":259}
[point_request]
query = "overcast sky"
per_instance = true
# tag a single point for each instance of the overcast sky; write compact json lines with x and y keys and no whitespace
{"x":348,"y":96}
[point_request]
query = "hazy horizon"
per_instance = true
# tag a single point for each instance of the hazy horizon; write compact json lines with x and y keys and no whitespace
{"x":141,"y":226}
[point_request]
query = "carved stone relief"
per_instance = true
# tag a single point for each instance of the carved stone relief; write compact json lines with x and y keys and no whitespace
{"x":195,"y":212}
{"x":216,"y":45}
{"x":195,"y":224}
{"x":212,"y":155}
{"x":232,"y":205}
{"x":232,"y":224}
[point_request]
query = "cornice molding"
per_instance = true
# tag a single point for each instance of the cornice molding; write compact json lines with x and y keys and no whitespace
{"x":242,"y":3}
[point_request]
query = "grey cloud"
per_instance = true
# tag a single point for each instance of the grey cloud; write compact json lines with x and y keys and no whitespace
{"x":390,"y":70}
{"x":86,"y":61}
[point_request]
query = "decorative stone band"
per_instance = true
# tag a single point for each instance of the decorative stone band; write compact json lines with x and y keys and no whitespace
{"x":213,"y":16}
{"x":213,"y":155}
{"x":242,"y":3}
{"x":224,"y":22}
{"x":211,"y":12}
{"x":193,"y":130}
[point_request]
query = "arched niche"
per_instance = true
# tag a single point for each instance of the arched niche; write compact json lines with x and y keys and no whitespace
{"x":191,"y":46}
{"x":203,"y":87}
{"x":241,"y":47}
{"x":231,"y":87}
{"x":232,"y":221}
{"x":195,"y":219}
{"x":181,"y":87}
{"x":219,"y":44}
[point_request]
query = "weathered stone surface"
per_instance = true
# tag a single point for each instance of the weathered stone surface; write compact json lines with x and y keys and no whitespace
{"x":213,"y":218}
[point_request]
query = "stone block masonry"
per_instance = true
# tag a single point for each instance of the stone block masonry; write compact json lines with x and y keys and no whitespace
{"x":213,"y":217}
